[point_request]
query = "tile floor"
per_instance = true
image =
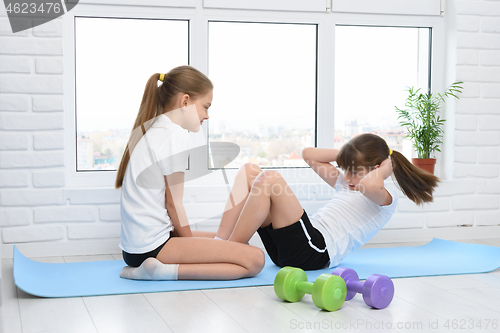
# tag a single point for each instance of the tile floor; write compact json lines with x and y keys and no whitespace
{"x":461,"y":303}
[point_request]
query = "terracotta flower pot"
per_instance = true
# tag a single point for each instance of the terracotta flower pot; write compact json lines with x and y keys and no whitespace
{"x":426,"y":164}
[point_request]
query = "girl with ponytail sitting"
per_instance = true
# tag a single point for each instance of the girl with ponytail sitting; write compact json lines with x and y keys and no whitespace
{"x":361,"y":206}
{"x":156,"y":239}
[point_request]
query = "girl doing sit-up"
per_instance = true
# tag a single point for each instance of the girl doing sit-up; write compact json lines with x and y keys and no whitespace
{"x":361,"y":206}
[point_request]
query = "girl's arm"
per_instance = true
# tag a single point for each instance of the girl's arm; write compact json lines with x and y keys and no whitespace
{"x":372,"y":184}
{"x":319,"y":160}
{"x":174,"y":205}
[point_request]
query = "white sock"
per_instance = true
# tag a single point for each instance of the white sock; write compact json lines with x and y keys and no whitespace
{"x":151,"y":269}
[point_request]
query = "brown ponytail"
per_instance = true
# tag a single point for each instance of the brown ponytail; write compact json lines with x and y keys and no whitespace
{"x":155,"y":100}
{"x":417,"y":184}
{"x":369,"y":150}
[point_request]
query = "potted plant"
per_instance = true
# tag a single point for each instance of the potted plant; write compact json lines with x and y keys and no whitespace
{"x":423,"y":123}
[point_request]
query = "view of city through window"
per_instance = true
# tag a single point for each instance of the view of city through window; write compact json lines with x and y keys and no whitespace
{"x":265,"y":90}
{"x":114,"y":60}
{"x":267,"y":146}
{"x":265,"y":85}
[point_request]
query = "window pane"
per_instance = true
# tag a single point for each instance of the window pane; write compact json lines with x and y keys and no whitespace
{"x":264,"y":77}
{"x":114,"y":60}
{"x":374,"y":66}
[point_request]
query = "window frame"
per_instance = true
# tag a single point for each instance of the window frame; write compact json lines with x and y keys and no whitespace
{"x":396,"y":7}
{"x":199,"y":18}
{"x":279,"y":5}
{"x":100,"y":178}
{"x":143,"y":3}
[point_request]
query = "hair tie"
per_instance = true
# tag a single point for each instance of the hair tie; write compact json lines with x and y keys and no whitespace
{"x":390,"y":151}
{"x":162,"y":76}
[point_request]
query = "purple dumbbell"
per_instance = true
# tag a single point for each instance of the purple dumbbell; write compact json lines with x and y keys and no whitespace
{"x":377,"y":290}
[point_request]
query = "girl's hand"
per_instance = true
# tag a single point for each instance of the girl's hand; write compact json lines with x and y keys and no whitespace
{"x":373,"y":184}
{"x":386,"y":168}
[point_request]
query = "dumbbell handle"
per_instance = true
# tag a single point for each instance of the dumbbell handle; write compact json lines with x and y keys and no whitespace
{"x":304,"y":286}
{"x":307,"y":287}
{"x":356,"y":286}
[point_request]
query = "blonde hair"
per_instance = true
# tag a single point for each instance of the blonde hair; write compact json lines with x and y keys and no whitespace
{"x":369,"y":150}
{"x":182,"y":79}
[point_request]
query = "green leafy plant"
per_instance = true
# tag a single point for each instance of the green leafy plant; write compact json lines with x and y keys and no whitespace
{"x":421,"y":118}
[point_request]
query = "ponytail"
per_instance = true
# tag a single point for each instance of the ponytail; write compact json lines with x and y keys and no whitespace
{"x":182,"y":79}
{"x":417,"y":184}
{"x":369,"y":150}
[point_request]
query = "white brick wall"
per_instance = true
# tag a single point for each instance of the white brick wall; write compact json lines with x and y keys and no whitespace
{"x":33,"y":234}
{"x":38,"y":208}
{"x":465,"y":155}
{"x":449,"y":219}
{"x":489,"y":155}
{"x":14,"y":179}
{"x":46,"y":141}
{"x":490,"y":58}
{"x":15,"y":65}
{"x":477,"y":151}
{"x":65,"y":214}
{"x":47,"y":103}
{"x":15,"y":217}
{"x":34,"y":122}
{"x":478,"y":106}
{"x":48,"y":179}
{"x":12,"y":160}
{"x":488,"y":218}
{"x":14,"y":141}
{"x":109,"y":213}
{"x":14,"y":103}
{"x":475,"y":170}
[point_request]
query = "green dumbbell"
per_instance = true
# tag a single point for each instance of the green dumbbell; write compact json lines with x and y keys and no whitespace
{"x":328,"y":291}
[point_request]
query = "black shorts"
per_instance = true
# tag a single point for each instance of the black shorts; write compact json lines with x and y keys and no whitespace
{"x":297,"y":245}
{"x":136,"y":259}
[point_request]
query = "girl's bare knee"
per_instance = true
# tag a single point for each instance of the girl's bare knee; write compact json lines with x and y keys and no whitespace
{"x":271,"y":174}
{"x":267,"y":176}
{"x":252,"y":170}
{"x":257,"y":260}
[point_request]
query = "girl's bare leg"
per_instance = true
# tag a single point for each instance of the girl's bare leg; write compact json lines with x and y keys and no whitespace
{"x":204,"y":258}
{"x":205,"y":234}
{"x":270,"y":199}
{"x":237,"y":198}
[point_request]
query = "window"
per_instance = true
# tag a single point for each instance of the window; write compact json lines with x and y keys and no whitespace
{"x":287,"y":75}
{"x":114,"y":59}
{"x":374,"y":66}
{"x":264,"y":76}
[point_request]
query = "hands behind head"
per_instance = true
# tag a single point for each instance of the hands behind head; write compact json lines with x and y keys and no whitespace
{"x":384,"y":170}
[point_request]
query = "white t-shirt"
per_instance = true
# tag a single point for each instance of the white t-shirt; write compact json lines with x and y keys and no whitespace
{"x":161,"y":152}
{"x":350,"y":219}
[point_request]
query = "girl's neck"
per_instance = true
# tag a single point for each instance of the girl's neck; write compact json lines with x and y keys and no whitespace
{"x":175,"y":116}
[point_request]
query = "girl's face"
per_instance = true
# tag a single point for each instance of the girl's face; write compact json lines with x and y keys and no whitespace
{"x":353,"y":176}
{"x":196,"y":111}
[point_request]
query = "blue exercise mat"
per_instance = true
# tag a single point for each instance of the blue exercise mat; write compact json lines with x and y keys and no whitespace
{"x":439,"y":257}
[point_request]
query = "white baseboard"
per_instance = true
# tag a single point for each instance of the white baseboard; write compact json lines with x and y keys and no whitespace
{"x":37,"y":250}
{"x":424,"y":235}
